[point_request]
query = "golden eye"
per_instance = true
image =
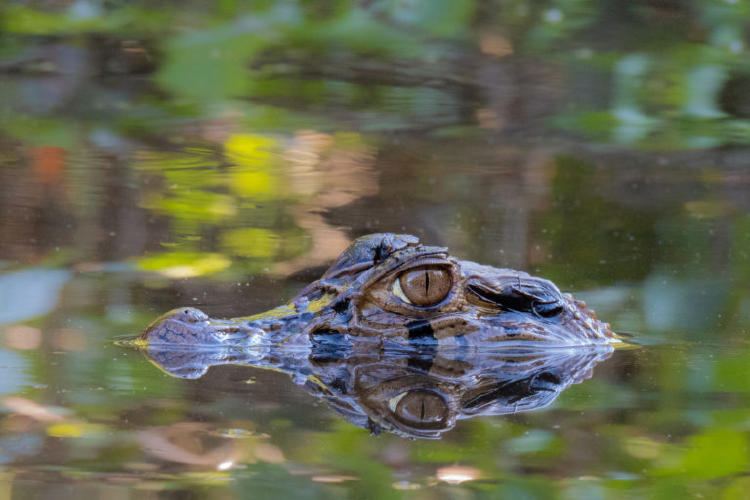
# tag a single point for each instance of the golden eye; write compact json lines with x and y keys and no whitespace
{"x":425,"y":286}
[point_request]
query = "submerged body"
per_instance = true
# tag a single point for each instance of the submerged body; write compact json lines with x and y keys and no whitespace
{"x":388,"y":290}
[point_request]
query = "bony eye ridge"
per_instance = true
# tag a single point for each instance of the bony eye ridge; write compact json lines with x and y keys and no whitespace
{"x":424,"y":286}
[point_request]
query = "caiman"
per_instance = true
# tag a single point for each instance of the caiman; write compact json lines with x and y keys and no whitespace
{"x":388,"y":290}
{"x":403,"y":337}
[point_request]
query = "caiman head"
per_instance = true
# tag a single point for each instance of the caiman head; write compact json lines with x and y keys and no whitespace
{"x":388,"y":289}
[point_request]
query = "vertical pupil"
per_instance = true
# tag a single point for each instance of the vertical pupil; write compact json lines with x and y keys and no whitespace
{"x":425,"y":286}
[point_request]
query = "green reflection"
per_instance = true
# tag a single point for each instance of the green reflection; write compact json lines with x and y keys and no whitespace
{"x":669,"y":80}
{"x":214,"y":143}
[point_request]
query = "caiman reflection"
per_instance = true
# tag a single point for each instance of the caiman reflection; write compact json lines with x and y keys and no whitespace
{"x":418,"y":393}
{"x":390,"y":290}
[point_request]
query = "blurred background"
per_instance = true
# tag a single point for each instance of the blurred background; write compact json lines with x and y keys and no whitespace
{"x":222,"y":154}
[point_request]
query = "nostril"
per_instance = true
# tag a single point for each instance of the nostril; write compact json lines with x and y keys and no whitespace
{"x":186,"y":314}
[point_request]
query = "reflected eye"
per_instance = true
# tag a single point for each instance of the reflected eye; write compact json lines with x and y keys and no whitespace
{"x":425,"y":286}
{"x":421,"y":408}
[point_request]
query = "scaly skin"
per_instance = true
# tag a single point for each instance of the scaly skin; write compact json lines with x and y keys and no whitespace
{"x":359,"y":300}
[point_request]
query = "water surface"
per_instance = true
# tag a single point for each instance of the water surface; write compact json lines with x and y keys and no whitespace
{"x":221,"y":156}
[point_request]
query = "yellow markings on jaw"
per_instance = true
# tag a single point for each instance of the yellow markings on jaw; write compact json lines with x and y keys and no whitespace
{"x":622,"y":344}
{"x":139,"y":342}
{"x":315,"y":380}
{"x":398,"y":292}
{"x":289,"y":310}
{"x":312,"y":378}
{"x":131,"y":342}
{"x":318,"y":304}
{"x":160,"y":367}
{"x":277,"y":312}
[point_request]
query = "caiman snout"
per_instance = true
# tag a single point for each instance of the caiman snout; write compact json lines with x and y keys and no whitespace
{"x":188,"y":326}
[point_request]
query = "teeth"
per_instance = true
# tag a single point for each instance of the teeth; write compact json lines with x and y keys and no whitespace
{"x":398,"y":292}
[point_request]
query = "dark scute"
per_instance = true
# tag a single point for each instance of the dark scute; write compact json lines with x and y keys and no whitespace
{"x":548,"y":309}
{"x":373,"y":427}
{"x":512,"y":391}
{"x":422,"y":361}
{"x":420,"y":329}
{"x":329,"y":346}
{"x":546,"y":381}
{"x":537,"y":300}
{"x":341,"y":306}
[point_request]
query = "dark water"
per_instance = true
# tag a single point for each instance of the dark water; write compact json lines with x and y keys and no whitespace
{"x":221,"y":154}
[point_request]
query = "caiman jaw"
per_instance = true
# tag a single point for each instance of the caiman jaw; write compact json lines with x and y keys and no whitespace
{"x":188,"y":326}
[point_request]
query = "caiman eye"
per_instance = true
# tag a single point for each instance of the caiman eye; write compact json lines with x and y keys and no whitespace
{"x":420,"y":408}
{"x":424,"y":286}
